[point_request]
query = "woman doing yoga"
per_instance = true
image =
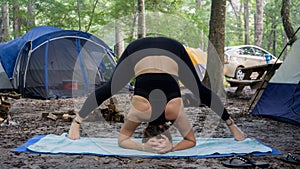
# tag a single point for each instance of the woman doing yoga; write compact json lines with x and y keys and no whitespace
{"x":157,"y":63}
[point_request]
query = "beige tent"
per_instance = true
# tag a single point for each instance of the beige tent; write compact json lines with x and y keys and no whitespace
{"x":199,"y":59}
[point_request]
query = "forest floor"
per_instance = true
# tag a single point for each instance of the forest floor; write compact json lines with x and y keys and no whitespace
{"x":27,"y":121}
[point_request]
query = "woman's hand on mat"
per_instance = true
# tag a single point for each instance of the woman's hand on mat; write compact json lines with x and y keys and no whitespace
{"x":166,"y":145}
{"x":159,"y":145}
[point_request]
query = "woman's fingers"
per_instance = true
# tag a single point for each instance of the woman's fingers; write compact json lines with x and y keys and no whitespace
{"x":164,"y":137}
{"x":161,"y":145}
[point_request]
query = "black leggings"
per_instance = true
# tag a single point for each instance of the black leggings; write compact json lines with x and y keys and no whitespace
{"x":154,"y":46}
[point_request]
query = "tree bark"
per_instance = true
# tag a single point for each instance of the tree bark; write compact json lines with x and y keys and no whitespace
{"x":199,"y":3}
{"x":246,"y":22}
{"x":285,"y":15}
{"x":214,"y":73}
{"x":259,"y":23}
{"x":238,"y":14}
{"x":79,"y":15}
{"x":274,"y":25}
{"x":5,"y":23}
{"x":16,"y":19}
{"x":92,"y":16}
{"x":30,"y":21}
{"x":141,"y":19}
{"x":119,"y":37}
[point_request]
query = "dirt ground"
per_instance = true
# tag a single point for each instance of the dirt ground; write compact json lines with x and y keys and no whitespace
{"x":27,"y":121}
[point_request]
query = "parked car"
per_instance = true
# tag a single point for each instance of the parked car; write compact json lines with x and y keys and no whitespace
{"x":237,"y":57}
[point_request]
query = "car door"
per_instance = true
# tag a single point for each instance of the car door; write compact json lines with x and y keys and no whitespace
{"x":260,"y":55}
{"x":249,"y":57}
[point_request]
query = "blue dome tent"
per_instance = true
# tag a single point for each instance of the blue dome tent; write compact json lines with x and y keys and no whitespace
{"x":50,"y":62}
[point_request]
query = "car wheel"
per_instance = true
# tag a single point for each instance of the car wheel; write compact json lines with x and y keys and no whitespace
{"x":239,"y":75}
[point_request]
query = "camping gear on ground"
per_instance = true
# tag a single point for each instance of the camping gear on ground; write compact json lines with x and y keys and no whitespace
{"x":6,"y":105}
{"x":48,"y":62}
{"x":281,"y":97}
{"x":205,"y":147}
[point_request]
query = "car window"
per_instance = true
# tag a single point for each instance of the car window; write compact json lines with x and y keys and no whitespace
{"x":258,"y":52}
{"x":228,"y":48}
{"x":246,"y":51}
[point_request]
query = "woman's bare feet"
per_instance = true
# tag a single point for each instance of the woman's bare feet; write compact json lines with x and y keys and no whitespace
{"x":74,"y":132}
{"x":236,"y":132}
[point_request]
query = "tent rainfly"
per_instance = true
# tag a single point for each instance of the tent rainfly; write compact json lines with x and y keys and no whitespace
{"x":199,"y":59}
{"x":50,"y":62}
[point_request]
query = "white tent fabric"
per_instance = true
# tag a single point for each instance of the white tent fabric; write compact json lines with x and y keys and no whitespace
{"x":289,"y":71}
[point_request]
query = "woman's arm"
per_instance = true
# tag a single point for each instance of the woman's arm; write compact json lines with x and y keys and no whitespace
{"x":185,"y":129}
{"x":175,"y":112}
{"x":126,"y":132}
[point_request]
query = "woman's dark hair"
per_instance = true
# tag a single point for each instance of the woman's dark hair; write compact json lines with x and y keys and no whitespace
{"x":156,"y":130}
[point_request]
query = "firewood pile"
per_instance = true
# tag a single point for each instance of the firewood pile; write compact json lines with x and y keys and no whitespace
{"x":111,"y":111}
{"x":5,"y":105}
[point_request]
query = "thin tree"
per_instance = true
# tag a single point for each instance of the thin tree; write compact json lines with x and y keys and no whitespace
{"x":119,"y":38}
{"x":30,"y":20}
{"x":141,"y":19}
{"x":258,"y":23}
{"x":16,"y":19}
{"x":286,"y":21}
{"x":79,"y":15}
{"x":238,"y":14}
{"x":5,"y":23}
{"x":246,"y":22}
{"x":92,"y":16}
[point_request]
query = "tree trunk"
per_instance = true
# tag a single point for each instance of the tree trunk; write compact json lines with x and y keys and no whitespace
{"x":92,"y":16}
{"x":199,"y":3}
{"x":119,"y":37}
{"x":274,"y":25}
{"x":5,"y":23}
{"x":246,"y":22}
{"x":16,"y":19}
{"x":30,"y":22}
{"x":214,"y":73}
{"x":79,"y":15}
{"x":285,"y":40}
{"x":259,"y":23}
{"x":141,"y":19}
{"x":133,"y":31}
{"x":238,"y":12}
{"x":285,"y":15}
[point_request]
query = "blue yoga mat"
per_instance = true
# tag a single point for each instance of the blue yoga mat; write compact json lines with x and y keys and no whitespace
{"x":205,"y":147}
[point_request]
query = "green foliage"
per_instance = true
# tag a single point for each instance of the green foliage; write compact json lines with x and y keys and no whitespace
{"x":295,"y":13}
{"x":183,"y":20}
